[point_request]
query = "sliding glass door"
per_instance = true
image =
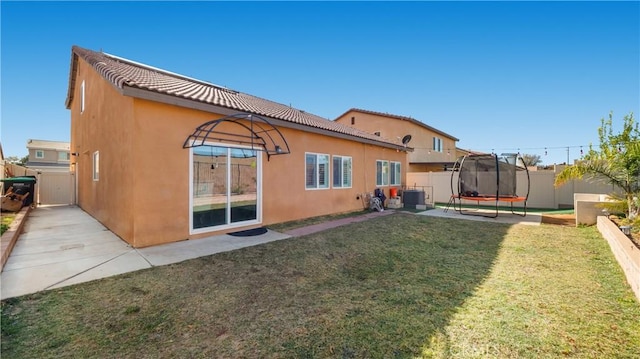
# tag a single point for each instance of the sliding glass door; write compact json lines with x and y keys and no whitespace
{"x":225,"y":190}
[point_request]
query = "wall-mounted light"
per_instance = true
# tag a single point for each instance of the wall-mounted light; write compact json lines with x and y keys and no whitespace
{"x":278,"y":149}
{"x":75,"y":154}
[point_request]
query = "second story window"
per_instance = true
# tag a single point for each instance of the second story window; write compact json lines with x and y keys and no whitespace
{"x":39,"y":154}
{"x":437,"y":144}
{"x":63,"y":156}
{"x":82,"y":97}
{"x":96,"y":166}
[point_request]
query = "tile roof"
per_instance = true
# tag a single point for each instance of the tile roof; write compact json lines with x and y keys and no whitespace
{"x":399,"y":117}
{"x":123,"y":73}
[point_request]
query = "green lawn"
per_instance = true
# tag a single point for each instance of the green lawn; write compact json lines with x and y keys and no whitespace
{"x":7,"y":219}
{"x":400,"y":286}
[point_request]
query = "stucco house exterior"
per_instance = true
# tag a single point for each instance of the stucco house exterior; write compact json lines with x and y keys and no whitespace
{"x":48,"y":156}
{"x":159,"y":157}
{"x":433,"y":149}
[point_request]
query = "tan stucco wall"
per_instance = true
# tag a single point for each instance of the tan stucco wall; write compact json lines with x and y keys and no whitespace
{"x":394,"y":128}
{"x":285,"y":196}
{"x":161,"y":206}
{"x":104,"y":126}
{"x":143,"y":191}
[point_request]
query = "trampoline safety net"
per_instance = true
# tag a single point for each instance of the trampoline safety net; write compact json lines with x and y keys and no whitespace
{"x":488,"y":175}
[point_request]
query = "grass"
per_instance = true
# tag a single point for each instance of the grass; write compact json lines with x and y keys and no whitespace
{"x":404,"y":286}
{"x":285,"y":226}
{"x":7,"y":219}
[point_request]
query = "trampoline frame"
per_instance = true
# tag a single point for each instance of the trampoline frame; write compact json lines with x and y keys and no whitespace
{"x":457,"y":198}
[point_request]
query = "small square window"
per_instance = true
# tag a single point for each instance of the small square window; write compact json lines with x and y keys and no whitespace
{"x":39,"y":154}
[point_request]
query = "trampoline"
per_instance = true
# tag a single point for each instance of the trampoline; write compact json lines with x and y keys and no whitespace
{"x":488,"y":178}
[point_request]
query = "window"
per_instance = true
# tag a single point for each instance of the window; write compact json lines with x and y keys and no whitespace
{"x":437,"y":144}
{"x":382,"y":173}
{"x":353,"y":120}
{"x":96,"y":166}
{"x":341,"y":172}
{"x":316,"y":171}
{"x":39,"y":154}
{"x":82,"y":97}
{"x":396,"y":175}
{"x":63,"y":156}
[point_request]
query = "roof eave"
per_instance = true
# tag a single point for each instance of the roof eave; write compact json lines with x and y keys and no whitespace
{"x":401,"y":118}
{"x":72,"y":80}
{"x":222,"y":110}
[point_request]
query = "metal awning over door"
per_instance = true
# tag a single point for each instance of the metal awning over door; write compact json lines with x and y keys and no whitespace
{"x":252,"y":130}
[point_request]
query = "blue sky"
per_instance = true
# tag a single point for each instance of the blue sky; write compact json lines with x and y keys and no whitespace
{"x":499,"y":76}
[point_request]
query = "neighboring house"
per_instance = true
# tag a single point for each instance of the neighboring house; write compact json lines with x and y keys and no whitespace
{"x":48,"y":156}
{"x":162,"y":157}
{"x":433,"y":150}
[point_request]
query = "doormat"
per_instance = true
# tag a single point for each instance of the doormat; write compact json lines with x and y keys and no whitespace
{"x":249,"y":232}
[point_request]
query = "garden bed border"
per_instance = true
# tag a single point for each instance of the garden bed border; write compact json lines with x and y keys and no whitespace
{"x":625,"y":251}
{"x":10,"y":237}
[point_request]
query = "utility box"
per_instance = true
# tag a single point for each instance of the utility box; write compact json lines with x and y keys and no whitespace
{"x":412,"y":198}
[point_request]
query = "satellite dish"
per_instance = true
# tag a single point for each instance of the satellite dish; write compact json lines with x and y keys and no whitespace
{"x":406,"y":139}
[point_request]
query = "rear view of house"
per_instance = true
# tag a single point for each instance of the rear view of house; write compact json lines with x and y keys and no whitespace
{"x":160,"y":157}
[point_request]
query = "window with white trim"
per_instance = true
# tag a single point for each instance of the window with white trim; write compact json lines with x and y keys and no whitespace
{"x":395,"y":174}
{"x":382,"y":173}
{"x":342,"y":171}
{"x":96,"y":166}
{"x":63,"y":156}
{"x":437,"y":144}
{"x":39,"y":154}
{"x":82,"y":97}
{"x":316,"y":171}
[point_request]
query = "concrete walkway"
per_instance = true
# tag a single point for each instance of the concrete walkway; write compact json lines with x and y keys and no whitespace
{"x":506,"y":217}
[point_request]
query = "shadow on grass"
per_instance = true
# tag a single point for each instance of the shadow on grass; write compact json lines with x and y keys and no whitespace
{"x":380,"y":288}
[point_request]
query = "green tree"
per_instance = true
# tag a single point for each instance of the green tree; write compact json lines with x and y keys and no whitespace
{"x":16,"y":160}
{"x":616,"y":161}
{"x":531,"y":160}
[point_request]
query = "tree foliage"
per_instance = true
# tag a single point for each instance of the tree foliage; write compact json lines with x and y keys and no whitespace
{"x":18,"y":161}
{"x":616,"y":161}
{"x":531,"y":160}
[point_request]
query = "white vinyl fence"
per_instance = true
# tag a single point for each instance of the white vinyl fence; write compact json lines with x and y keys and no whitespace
{"x":542,"y":193}
{"x":51,"y":187}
